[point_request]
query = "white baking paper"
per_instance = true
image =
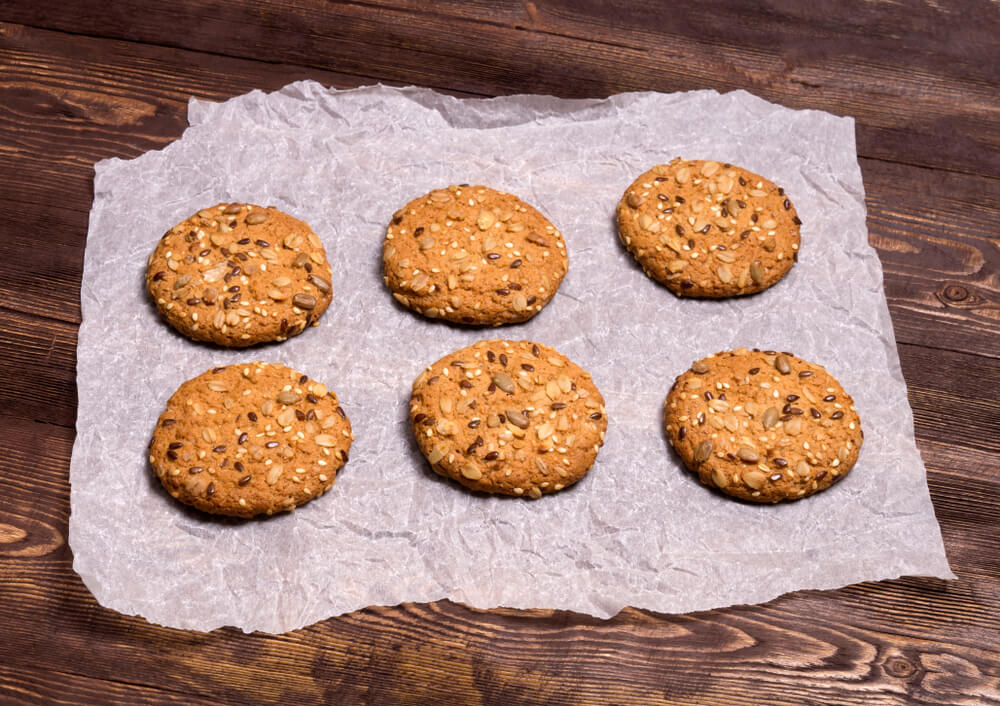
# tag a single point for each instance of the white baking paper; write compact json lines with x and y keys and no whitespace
{"x":638,"y":530}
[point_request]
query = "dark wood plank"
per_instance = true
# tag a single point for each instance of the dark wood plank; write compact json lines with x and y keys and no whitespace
{"x":934,"y":230}
{"x":38,"y":367}
{"x":929,"y":99}
{"x":936,"y":236}
{"x":69,"y":102}
{"x":28,"y":684}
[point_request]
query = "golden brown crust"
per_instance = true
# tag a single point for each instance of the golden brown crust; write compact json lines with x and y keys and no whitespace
{"x":239,"y":274}
{"x":705,"y":229}
{"x":472,"y":255}
{"x":763,"y":426}
{"x":509,"y":417}
{"x":250,"y":439}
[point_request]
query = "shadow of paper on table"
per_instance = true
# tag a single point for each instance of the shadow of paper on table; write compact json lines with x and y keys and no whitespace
{"x":638,"y":530}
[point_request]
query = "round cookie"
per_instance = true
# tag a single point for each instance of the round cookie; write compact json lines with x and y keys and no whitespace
{"x":508,"y":417}
{"x":763,"y":426}
{"x":472,"y":255}
{"x":250,"y":439}
{"x":705,"y":229}
{"x":238,"y":274}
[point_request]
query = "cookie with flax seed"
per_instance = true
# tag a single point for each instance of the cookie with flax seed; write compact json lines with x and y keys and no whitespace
{"x":508,"y":417}
{"x":237,"y":274}
{"x":705,"y":229}
{"x":250,"y":439}
{"x":763,"y":426}
{"x":473,"y":255}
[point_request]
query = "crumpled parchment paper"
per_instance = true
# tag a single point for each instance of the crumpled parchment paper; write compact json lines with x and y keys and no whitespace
{"x":638,"y":530}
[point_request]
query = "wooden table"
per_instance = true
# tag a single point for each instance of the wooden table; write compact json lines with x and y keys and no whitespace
{"x":91,"y":79}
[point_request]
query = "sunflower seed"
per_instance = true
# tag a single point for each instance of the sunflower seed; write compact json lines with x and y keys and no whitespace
{"x":304,"y":301}
{"x":747,"y":455}
{"x":320,"y":283}
{"x":754,"y":479}
{"x":517,"y":418}
{"x":702,"y":452}
{"x":782,"y":365}
{"x":287,"y":397}
{"x":770,"y":418}
{"x":504,"y":382}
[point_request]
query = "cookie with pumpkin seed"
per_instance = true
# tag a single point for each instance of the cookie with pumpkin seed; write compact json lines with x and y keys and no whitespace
{"x":508,"y":417}
{"x":763,"y":426}
{"x":250,"y":439}
{"x":237,"y":274}
{"x":473,"y":255}
{"x":705,"y":229}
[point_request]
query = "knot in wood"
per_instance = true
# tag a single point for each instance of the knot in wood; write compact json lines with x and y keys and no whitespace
{"x":956,"y":293}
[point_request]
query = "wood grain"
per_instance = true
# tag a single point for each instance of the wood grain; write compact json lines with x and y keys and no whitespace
{"x":87,"y":80}
{"x":844,"y":64}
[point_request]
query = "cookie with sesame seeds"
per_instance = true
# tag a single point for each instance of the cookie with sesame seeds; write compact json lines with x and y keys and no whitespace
{"x":508,"y":417}
{"x":763,"y":426}
{"x":250,"y":439}
{"x":473,"y":255}
{"x":705,"y":229}
{"x":237,"y":274}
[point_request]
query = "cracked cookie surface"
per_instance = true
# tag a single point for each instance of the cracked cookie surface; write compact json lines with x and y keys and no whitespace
{"x":508,"y":417}
{"x":763,"y":426}
{"x":250,"y":439}
{"x":473,"y":255}
{"x":705,"y":229}
{"x":238,"y":274}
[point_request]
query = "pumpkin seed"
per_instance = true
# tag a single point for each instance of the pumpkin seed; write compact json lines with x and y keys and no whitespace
{"x":325,"y":440}
{"x":503,"y":381}
{"x":517,"y":418}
